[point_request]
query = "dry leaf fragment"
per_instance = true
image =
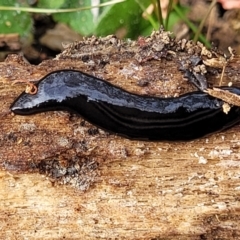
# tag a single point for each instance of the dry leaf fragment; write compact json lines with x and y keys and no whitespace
{"x":224,"y":95}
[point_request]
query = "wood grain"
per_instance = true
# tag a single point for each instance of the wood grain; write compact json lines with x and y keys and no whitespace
{"x":63,"y":178}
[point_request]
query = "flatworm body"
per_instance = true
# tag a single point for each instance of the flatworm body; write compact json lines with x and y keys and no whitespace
{"x":187,"y":117}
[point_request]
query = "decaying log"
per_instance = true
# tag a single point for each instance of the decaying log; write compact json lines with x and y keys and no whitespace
{"x":61,"y":177}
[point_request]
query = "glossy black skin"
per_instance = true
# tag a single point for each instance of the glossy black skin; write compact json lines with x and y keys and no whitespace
{"x":187,"y":117}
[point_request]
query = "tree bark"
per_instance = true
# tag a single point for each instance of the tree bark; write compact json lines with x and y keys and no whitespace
{"x":61,"y":177}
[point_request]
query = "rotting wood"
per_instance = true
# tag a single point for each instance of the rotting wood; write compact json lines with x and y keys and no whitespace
{"x":62,"y":177}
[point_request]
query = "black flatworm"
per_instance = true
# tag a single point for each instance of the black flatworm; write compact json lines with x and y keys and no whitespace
{"x":187,"y":117}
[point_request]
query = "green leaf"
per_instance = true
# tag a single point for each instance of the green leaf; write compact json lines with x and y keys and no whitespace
{"x":174,"y":18}
{"x":50,"y":4}
{"x":15,"y":21}
{"x":82,"y":21}
{"x":126,"y":15}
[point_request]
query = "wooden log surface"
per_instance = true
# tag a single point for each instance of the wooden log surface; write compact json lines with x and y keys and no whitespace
{"x":61,"y":177}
